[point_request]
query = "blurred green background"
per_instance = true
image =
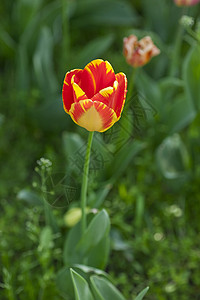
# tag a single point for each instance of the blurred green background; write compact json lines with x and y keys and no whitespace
{"x":146,"y":172}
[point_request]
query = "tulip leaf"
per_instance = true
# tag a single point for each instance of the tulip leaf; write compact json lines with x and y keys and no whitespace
{"x":81,"y":288}
{"x":97,"y":229}
{"x":142,"y":294}
{"x":92,"y":247}
{"x":91,"y":271}
{"x":104,"y":290}
{"x":98,"y":255}
{"x":70,"y":256}
{"x":191,"y":75}
{"x":64,"y":283}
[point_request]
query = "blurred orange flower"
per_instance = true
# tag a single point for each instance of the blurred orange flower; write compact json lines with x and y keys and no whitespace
{"x":138,"y":53}
{"x":186,"y":2}
{"x":94,"y":97}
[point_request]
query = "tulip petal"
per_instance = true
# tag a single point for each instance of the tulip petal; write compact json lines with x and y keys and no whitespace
{"x":104,"y":95}
{"x":78,"y":93}
{"x":117,"y":102}
{"x":93,"y":116}
{"x":96,"y":76}
{"x":67,"y":91}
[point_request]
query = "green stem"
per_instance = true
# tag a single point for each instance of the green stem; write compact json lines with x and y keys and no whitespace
{"x":177,"y":49}
{"x":176,"y":52}
{"x":66,"y":31}
{"x":131,"y":84}
{"x":85,"y":183}
{"x":44,"y":193}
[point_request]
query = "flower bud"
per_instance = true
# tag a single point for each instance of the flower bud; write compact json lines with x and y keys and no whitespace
{"x":139,"y":53}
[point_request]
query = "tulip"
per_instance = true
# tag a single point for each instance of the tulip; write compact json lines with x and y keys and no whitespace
{"x":94,"y":97}
{"x":186,"y":2}
{"x":139,"y":53}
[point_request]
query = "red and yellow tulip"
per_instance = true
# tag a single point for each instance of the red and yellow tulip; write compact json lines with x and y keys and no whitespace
{"x":139,"y":53}
{"x":94,"y":97}
{"x":186,"y":2}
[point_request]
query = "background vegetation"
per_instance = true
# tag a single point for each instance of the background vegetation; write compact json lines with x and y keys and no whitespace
{"x":146,"y":172}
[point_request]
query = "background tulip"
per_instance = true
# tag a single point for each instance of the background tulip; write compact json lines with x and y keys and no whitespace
{"x":186,"y":2}
{"x":138,"y":53}
{"x":94,"y":97}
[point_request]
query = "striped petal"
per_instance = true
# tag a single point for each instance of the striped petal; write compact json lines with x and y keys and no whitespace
{"x":104,"y":95}
{"x":78,"y":93}
{"x":117,"y":102}
{"x":97,"y":75}
{"x":93,"y":116}
{"x":67,"y":91}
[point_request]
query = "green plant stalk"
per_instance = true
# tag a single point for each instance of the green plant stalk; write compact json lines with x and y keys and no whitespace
{"x":131,"y":84}
{"x":85,"y":183}
{"x":44,"y":191}
{"x":66,"y":31}
{"x":177,"y":48}
{"x":176,"y":52}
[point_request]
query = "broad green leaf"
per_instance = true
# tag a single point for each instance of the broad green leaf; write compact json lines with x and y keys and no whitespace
{"x":172,"y":157}
{"x":81,"y":288}
{"x":104,"y":290}
{"x":142,"y":294}
{"x":191,"y":75}
{"x":97,"y":229}
{"x":98,"y":255}
{"x":64,"y":283}
{"x":91,"y":271}
{"x":70,"y":255}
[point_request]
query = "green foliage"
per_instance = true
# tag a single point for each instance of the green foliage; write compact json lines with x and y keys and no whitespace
{"x":144,"y":171}
{"x":93,"y":246}
{"x":142,"y":294}
{"x":192,"y":75}
{"x":101,"y":288}
{"x":81,"y":287}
